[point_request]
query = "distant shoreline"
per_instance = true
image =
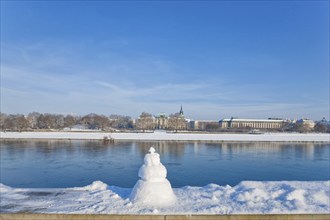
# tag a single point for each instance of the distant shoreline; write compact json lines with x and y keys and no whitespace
{"x":163,"y":136}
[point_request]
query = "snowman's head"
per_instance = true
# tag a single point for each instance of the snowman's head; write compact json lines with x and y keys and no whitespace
{"x":152,"y":150}
{"x":155,"y":159}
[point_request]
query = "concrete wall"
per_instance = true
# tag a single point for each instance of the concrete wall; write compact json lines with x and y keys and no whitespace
{"x":25,"y":216}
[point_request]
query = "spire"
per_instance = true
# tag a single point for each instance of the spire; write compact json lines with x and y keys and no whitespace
{"x":181,"y":111}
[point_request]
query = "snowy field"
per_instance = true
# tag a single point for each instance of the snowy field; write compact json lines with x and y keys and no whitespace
{"x":245,"y":198}
{"x":163,"y":136}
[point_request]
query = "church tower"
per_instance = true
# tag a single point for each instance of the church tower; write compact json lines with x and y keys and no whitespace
{"x":181,"y":112}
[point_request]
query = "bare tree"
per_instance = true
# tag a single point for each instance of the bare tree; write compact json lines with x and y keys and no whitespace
{"x":102,"y":122}
{"x":3,"y":117}
{"x":70,"y":121}
{"x":44,"y":121}
{"x":41,"y":123}
{"x":177,"y":122}
{"x":16,"y":122}
{"x":21,"y":122}
{"x":8,"y":123}
{"x":94,"y":121}
{"x":146,"y":122}
{"x":57,"y":121}
{"x":88,"y":121}
{"x":33,"y":119}
{"x":121,"y":122}
{"x":321,"y":127}
{"x":302,"y":128}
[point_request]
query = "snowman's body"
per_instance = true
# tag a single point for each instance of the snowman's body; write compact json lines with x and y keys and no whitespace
{"x":153,"y":188}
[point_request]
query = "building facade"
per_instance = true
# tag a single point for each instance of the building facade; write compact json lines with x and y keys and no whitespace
{"x":175,"y":121}
{"x":204,"y":125}
{"x":161,"y":121}
{"x":252,"y":123}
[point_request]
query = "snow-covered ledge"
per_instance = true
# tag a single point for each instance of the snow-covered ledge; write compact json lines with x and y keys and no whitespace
{"x":248,"y":197}
{"x":29,"y":216}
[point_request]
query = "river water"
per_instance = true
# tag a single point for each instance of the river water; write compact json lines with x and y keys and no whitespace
{"x":59,"y":164}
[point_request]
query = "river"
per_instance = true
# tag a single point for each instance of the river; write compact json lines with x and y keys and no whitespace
{"x":60,"y":164}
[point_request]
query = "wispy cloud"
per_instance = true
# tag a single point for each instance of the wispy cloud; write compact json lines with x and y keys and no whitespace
{"x":45,"y":78}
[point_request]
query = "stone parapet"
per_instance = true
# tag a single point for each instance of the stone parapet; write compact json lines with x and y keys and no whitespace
{"x":26,"y":216}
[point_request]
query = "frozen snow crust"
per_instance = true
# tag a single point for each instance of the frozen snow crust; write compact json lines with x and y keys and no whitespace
{"x":248,"y":197}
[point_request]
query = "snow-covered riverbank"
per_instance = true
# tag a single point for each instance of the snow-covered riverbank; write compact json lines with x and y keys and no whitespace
{"x":247,"y":197}
{"x":163,"y":136}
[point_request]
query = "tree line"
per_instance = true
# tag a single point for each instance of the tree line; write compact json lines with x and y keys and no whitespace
{"x":36,"y":120}
{"x":47,"y":121}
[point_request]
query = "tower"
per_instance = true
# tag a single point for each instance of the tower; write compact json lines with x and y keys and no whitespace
{"x":181,"y":111}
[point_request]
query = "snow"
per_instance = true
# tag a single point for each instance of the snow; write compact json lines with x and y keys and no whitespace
{"x":163,"y":136}
{"x":96,"y":185}
{"x":248,"y":197}
{"x":80,"y":128}
{"x":153,"y":189}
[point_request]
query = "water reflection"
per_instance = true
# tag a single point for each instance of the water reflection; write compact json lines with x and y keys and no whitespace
{"x":76,"y":163}
{"x":174,"y":149}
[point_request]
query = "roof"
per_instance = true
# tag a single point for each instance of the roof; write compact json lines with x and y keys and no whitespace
{"x":253,"y":120}
{"x":210,"y":121}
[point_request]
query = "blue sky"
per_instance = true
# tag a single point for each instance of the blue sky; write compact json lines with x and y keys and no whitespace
{"x":247,"y":59}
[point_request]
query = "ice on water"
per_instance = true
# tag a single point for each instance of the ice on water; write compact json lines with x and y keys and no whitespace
{"x":153,"y":189}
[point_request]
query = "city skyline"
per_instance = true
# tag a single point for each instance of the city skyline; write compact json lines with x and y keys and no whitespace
{"x":217,"y":59}
{"x":162,"y":114}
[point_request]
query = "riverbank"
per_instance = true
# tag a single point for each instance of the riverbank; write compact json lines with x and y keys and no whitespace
{"x":164,"y":136}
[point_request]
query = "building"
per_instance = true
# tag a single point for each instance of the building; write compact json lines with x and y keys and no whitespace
{"x":161,"y":121}
{"x":146,"y":122}
{"x":175,"y":121}
{"x":204,"y":125}
{"x":252,"y":123}
{"x":306,"y":122}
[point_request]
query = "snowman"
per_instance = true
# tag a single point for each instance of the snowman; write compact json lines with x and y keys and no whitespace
{"x":153,"y":189}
